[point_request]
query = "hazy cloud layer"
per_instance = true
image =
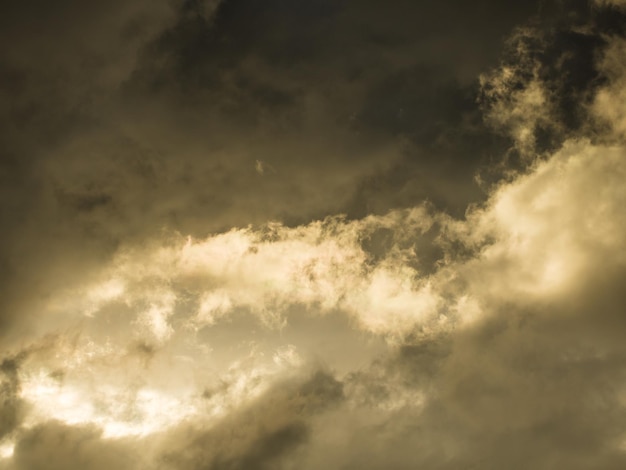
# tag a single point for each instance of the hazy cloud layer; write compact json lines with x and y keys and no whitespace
{"x":182,"y":289}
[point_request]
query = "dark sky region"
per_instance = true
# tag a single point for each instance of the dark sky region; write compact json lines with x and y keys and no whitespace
{"x":286,"y":234}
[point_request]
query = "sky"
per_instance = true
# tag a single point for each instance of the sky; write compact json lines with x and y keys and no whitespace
{"x":280,"y":235}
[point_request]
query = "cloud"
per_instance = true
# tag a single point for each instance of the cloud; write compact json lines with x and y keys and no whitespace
{"x":12,"y":407}
{"x":256,"y":435}
{"x":54,"y":445}
{"x":61,"y":65}
{"x":511,"y":337}
{"x":127,"y":119}
{"x":260,"y":434}
{"x":524,"y":387}
{"x":607,"y":103}
{"x":402,"y":338}
{"x":536,"y":237}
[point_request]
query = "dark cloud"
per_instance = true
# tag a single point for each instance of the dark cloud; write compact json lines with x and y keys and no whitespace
{"x":60,"y":65}
{"x":560,"y":52}
{"x":53,"y":445}
{"x":12,"y":407}
{"x":259,"y":435}
{"x":356,"y":89}
{"x":533,"y":386}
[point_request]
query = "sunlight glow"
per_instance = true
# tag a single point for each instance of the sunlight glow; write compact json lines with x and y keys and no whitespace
{"x":117,"y":412}
{"x":7,"y":449}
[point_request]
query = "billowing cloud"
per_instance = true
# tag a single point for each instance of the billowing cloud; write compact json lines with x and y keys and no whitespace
{"x":544,"y":253}
{"x":195,"y":313}
{"x":536,"y":237}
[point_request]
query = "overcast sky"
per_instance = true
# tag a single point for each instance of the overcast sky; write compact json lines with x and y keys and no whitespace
{"x":322,"y":234}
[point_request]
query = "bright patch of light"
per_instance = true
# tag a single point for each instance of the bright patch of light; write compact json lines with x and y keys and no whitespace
{"x":115,"y":411}
{"x":103,"y":293}
{"x":7,"y":449}
{"x":124,"y":409}
{"x":52,"y":401}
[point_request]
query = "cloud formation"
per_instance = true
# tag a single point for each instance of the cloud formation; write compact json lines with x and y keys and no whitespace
{"x":129,"y":119}
{"x":282,"y":335}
